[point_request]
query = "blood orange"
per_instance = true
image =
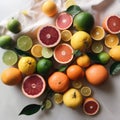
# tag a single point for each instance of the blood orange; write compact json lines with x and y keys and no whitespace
{"x":64,"y":21}
{"x":49,"y":36}
{"x":63,"y":53}
{"x":33,"y":86}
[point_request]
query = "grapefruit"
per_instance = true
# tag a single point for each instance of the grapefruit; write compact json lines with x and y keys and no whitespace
{"x":63,"y":53}
{"x":49,"y":36}
{"x":64,"y":21}
{"x":33,"y":86}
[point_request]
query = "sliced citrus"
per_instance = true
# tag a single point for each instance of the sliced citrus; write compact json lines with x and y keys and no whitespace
{"x":10,"y":57}
{"x":63,"y":53}
{"x":33,"y":86}
{"x":66,"y":35}
{"x":58,"y":98}
{"x":24,"y":43}
{"x":77,"y":84}
{"x":86,"y":91}
{"x":68,"y":3}
{"x":36,"y":50}
{"x":47,"y":52}
{"x":97,"y":33}
{"x":111,"y":40}
{"x":47,"y":104}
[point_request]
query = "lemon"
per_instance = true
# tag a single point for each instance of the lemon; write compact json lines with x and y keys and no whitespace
{"x":86,"y":91}
{"x":58,"y":98}
{"x":77,"y":84}
{"x":66,"y":35}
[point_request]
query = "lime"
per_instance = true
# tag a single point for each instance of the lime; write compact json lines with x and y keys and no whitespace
{"x":58,"y":98}
{"x":48,"y":104}
{"x":10,"y":57}
{"x":76,"y":84}
{"x":86,"y":91}
{"x":66,"y":35}
{"x":47,"y":52}
{"x":24,"y":43}
{"x":68,"y":3}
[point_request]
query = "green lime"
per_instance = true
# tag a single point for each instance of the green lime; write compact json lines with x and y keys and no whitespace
{"x":86,"y":91}
{"x":14,"y":25}
{"x":58,"y":98}
{"x":76,"y":84}
{"x":48,"y":104}
{"x":47,"y":52}
{"x":10,"y":57}
{"x":24,"y":43}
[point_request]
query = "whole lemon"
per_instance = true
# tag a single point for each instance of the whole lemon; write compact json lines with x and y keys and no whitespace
{"x":81,"y":40}
{"x":27,"y":65}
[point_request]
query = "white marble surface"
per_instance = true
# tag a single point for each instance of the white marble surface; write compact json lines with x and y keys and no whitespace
{"x":12,"y":100}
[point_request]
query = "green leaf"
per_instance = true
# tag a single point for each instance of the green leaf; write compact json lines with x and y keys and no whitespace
{"x":62,"y":68}
{"x":115,"y":68}
{"x":77,"y":53}
{"x":30,"y":109}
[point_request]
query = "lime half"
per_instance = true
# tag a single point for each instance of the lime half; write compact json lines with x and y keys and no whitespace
{"x":48,"y":104}
{"x":77,"y":84}
{"x":47,"y":52}
{"x":24,"y":43}
{"x":10,"y":57}
{"x":86,"y":91}
{"x":58,"y":98}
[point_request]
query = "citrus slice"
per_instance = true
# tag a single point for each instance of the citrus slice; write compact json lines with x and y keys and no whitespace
{"x":111,"y":40}
{"x":97,"y":33}
{"x":97,"y":47}
{"x":66,"y":35}
{"x":10,"y":57}
{"x":63,"y":53}
{"x":33,"y":86}
{"x":48,"y":36}
{"x":47,"y":52}
{"x":76,"y":84}
{"x":91,"y":106}
{"x":48,"y":104}
{"x":36,"y":50}
{"x":24,"y":43}
{"x":68,"y":3}
{"x":58,"y":98}
{"x":86,"y":91}
{"x":64,"y":21}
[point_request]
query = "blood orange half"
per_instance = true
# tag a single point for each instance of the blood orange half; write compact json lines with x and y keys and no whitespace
{"x":49,"y":36}
{"x":63,"y":53}
{"x":33,"y":86}
{"x":64,"y":21}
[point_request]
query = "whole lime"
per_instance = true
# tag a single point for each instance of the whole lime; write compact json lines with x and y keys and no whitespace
{"x":14,"y":25}
{"x":43,"y":66}
{"x":83,"y":21}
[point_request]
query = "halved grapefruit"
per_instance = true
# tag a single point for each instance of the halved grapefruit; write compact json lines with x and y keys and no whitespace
{"x":49,"y":36}
{"x":64,"y":21}
{"x":63,"y":53}
{"x":33,"y":86}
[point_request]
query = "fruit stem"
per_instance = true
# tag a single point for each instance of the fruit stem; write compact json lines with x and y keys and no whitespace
{"x":74,"y":95}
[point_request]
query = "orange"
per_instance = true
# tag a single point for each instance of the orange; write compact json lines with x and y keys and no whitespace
{"x":96,"y":74}
{"x":75,"y":72}
{"x":11,"y":76}
{"x":58,"y":82}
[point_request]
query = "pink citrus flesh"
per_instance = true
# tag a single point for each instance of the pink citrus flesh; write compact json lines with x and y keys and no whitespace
{"x":33,"y":86}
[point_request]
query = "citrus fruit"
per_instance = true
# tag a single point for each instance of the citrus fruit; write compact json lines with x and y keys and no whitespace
{"x":11,"y":76}
{"x":49,"y":8}
{"x":10,"y":57}
{"x":112,"y":24}
{"x":49,"y":36}
{"x":47,"y":52}
{"x":14,"y":25}
{"x":75,"y":72}
{"x":97,"y":33}
{"x":114,"y":53}
{"x":48,"y":104}
{"x":5,"y":41}
{"x":44,"y":66}
{"x":83,"y":61}
{"x":27,"y":65}
{"x":103,"y":57}
{"x":97,"y":47}
{"x":83,"y":21}
{"x":96,"y":74}
{"x":81,"y":40}
{"x":63,"y":53}
{"x":24,"y":43}
{"x":58,"y":98}
{"x":64,"y":21}
{"x":68,"y":3}
{"x":77,"y":84}
{"x":36,"y":50}
{"x":86,"y":91}
{"x":111,"y":40}
{"x":33,"y":86}
{"x":66,"y":35}
{"x":91,"y":106}
{"x":58,"y":82}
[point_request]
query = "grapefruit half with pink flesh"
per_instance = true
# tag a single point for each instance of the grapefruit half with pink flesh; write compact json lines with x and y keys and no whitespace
{"x":49,"y":36}
{"x":64,"y":21}
{"x":33,"y":86}
{"x":63,"y":53}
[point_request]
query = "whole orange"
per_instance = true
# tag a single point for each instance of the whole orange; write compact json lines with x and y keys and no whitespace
{"x":75,"y":72}
{"x":58,"y":82}
{"x":96,"y":74}
{"x":11,"y":76}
